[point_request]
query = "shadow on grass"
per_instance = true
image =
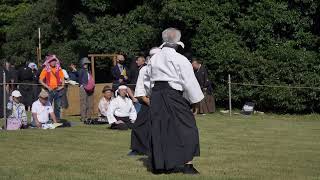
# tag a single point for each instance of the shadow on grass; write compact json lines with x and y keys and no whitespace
{"x":146,"y":163}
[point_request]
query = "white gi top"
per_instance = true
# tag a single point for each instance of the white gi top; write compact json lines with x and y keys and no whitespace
{"x":141,"y":90}
{"x":121,"y":107}
{"x":168,"y":65}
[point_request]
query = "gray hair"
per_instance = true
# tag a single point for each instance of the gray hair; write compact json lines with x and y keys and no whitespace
{"x":171,"y":35}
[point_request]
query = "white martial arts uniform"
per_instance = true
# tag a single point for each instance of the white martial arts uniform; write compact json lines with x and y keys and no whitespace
{"x":140,"y":89}
{"x":170,"y":66}
{"x":121,"y":107}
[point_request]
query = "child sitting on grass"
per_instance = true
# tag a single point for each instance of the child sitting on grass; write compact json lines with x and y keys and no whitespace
{"x":16,"y":110}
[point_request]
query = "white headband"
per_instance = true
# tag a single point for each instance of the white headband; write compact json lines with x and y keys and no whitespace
{"x":122,"y":87}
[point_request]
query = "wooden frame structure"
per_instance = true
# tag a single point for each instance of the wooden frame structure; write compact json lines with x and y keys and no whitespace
{"x":73,"y":91}
{"x":93,"y":56}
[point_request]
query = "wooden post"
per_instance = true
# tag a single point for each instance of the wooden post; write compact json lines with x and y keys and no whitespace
{"x":92,"y":67}
{"x":230,"y":98}
{"x":94,"y":78}
{"x":4,"y":100}
{"x":39,"y":48}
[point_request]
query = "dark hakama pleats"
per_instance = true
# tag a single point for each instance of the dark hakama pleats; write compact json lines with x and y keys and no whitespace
{"x":174,"y":133}
{"x":140,"y":134}
{"x":207,"y":105}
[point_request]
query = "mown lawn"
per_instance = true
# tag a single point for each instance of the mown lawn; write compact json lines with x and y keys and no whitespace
{"x":258,"y":147}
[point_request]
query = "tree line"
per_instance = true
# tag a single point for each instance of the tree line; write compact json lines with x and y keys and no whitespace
{"x":273,"y":42}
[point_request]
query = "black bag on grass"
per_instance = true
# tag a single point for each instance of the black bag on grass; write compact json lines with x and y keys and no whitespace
{"x":248,"y":108}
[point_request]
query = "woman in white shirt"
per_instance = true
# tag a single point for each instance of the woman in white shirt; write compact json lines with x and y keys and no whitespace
{"x":121,"y":112}
{"x":104,"y":103}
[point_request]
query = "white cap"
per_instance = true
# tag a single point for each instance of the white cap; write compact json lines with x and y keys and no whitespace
{"x":16,"y":93}
{"x":122,"y":87}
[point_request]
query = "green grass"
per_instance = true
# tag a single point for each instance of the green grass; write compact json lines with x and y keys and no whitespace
{"x":258,"y":147}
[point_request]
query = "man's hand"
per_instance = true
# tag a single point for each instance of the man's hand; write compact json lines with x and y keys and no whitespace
{"x":53,"y":117}
{"x":35,"y":118}
{"x":134,"y":99}
{"x":45,"y":85}
{"x":60,"y":88}
{"x":195,"y":109}
{"x":38,"y":124}
{"x":119,"y":122}
{"x":146,"y":100}
{"x":49,"y":89}
{"x":73,"y":67}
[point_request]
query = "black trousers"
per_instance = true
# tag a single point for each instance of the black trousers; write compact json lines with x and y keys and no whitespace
{"x":123,"y":126}
{"x":141,"y":129}
{"x":174,"y":133}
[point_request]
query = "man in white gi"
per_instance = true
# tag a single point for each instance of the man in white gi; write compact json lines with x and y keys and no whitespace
{"x":121,"y":112}
{"x":141,"y":129}
{"x":174,"y":133}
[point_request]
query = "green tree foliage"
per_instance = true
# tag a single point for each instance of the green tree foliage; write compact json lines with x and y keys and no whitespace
{"x":9,"y":11}
{"x":268,"y":42}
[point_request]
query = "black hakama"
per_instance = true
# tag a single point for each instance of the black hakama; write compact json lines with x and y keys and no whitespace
{"x":140,"y":134}
{"x":123,"y":126}
{"x":174,"y":133}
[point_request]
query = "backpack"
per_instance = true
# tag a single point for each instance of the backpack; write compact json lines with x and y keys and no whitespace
{"x":13,"y":123}
{"x":89,"y":87}
{"x":248,"y":108}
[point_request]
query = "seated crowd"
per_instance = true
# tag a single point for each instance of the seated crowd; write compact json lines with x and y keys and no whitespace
{"x":118,"y":107}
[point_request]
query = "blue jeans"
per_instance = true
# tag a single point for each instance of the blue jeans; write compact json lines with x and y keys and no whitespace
{"x":137,"y":106}
{"x":55,"y":96}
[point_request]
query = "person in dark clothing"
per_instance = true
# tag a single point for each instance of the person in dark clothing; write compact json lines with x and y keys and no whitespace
{"x":26,"y":77}
{"x":2,"y":106}
{"x":73,"y":73}
{"x":12,"y":76}
{"x":207,"y":105}
{"x":36,"y":88}
{"x":134,"y":73}
{"x":120,"y":75}
{"x":120,"y":70}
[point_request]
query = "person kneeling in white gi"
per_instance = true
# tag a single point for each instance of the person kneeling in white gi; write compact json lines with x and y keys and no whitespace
{"x":41,"y":109}
{"x":121,"y":112}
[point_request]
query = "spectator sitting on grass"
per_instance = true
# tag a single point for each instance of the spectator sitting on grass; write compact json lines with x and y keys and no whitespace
{"x":104,"y":102}
{"x":16,"y":109}
{"x":41,"y":109}
{"x":121,"y":112}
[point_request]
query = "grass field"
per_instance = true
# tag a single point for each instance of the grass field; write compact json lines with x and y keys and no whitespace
{"x":258,"y":147}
